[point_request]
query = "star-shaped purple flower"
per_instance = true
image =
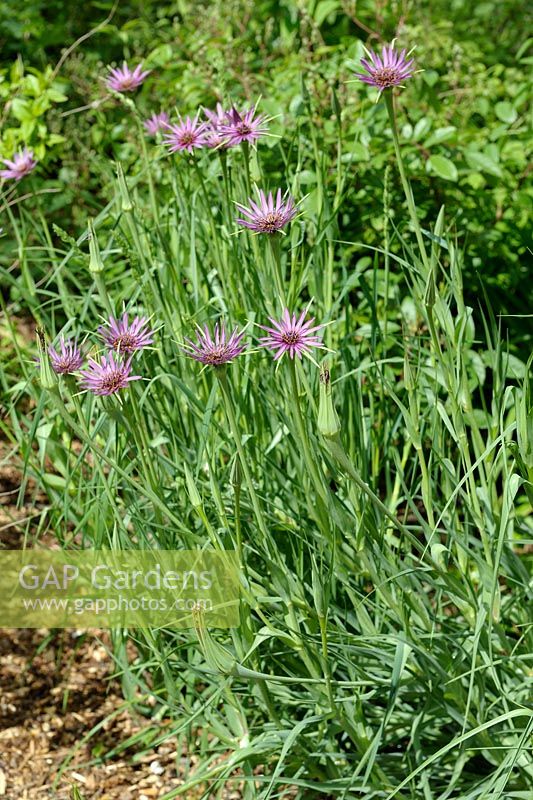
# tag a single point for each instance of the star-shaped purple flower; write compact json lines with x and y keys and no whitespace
{"x":108,"y":375}
{"x":244,"y":126}
{"x":22,"y":164}
{"x":155,"y":123}
{"x":389,"y":69}
{"x":215,"y":120}
{"x":291,"y":335}
{"x":68,"y":359}
{"x":268,"y":215}
{"x":216,"y":350}
{"x":123,"y":79}
{"x":188,"y":134}
{"x":125,"y":336}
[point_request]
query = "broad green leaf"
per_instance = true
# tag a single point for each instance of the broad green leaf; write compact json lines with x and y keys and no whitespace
{"x":430,"y":77}
{"x":440,"y":135}
{"x":505,"y":112}
{"x":21,"y":109}
{"x":482,"y":162}
{"x":324,"y":9}
{"x":355,"y":152}
{"x":422,"y":128}
{"x":443,"y":167}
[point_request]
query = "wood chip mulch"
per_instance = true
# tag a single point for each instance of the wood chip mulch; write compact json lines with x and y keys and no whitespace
{"x":49,"y":701}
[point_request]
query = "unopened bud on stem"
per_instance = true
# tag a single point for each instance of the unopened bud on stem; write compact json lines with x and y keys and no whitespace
{"x":194,"y":494}
{"x":126,"y":201}
{"x":95,"y":259}
{"x":328,"y":422}
{"x":47,"y":374}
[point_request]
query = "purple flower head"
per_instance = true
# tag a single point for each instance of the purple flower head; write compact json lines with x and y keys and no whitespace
{"x":243,"y":127}
{"x":269,"y":215}
{"x":125,"y":336}
{"x":389,"y":69}
{"x":215,"y":120}
{"x":22,"y":164}
{"x":156,"y":123}
{"x":216,"y":350}
{"x":217,"y":117}
{"x":124,"y":79}
{"x":108,"y":375}
{"x":291,"y":335}
{"x":68,"y":359}
{"x":187,"y":134}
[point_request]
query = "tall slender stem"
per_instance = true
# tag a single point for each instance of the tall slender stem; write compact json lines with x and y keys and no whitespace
{"x":310,"y":461}
{"x":274,"y":242}
{"x":230,"y":412}
{"x":153,"y":201}
{"x":389,"y":100}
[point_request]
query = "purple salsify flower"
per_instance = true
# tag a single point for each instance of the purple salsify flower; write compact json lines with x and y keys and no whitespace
{"x":125,"y":336}
{"x":244,"y":126}
{"x":389,"y":69}
{"x":215,"y":119}
{"x":269,"y":215}
{"x":291,"y":335}
{"x":108,"y":375}
{"x":215,"y":350}
{"x":68,"y":359}
{"x":155,"y":123}
{"x":22,"y":164}
{"x":187,"y":134}
{"x":126,"y":80}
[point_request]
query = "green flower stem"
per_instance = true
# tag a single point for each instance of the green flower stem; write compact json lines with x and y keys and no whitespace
{"x":141,"y":250}
{"x":238,"y":529}
{"x":215,"y":541}
{"x":389,"y":100}
{"x":328,"y":289}
{"x":25,"y":272}
{"x":215,"y":235}
{"x":325,"y":656}
{"x":247,"y":178}
{"x":223,"y":156}
{"x":232,"y":420}
{"x":139,"y":432}
{"x":87,"y":439}
{"x":205,"y":194}
{"x":106,"y":479}
{"x":310,"y":461}
{"x":102,"y":291}
{"x":274,"y":241}
{"x":336,"y":449}
{"x":386,"y":245}
{"x":151,"y":189}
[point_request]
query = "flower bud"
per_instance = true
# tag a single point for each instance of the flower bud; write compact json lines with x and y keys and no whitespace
{"x":328,"y":422}
{"x":320,"y":590}
{"x":95,"y":259}
{"x":126,"y":202}
{"x":524,"y":418}
{"x":192,"y":491}
{"x":48,"y":377}
{"x":236,"y":473}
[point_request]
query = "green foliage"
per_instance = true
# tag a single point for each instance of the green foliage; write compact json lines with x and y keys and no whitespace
{"x":28,"y":95}
{"x":466,"y":129}
{"x":381,"y":507}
